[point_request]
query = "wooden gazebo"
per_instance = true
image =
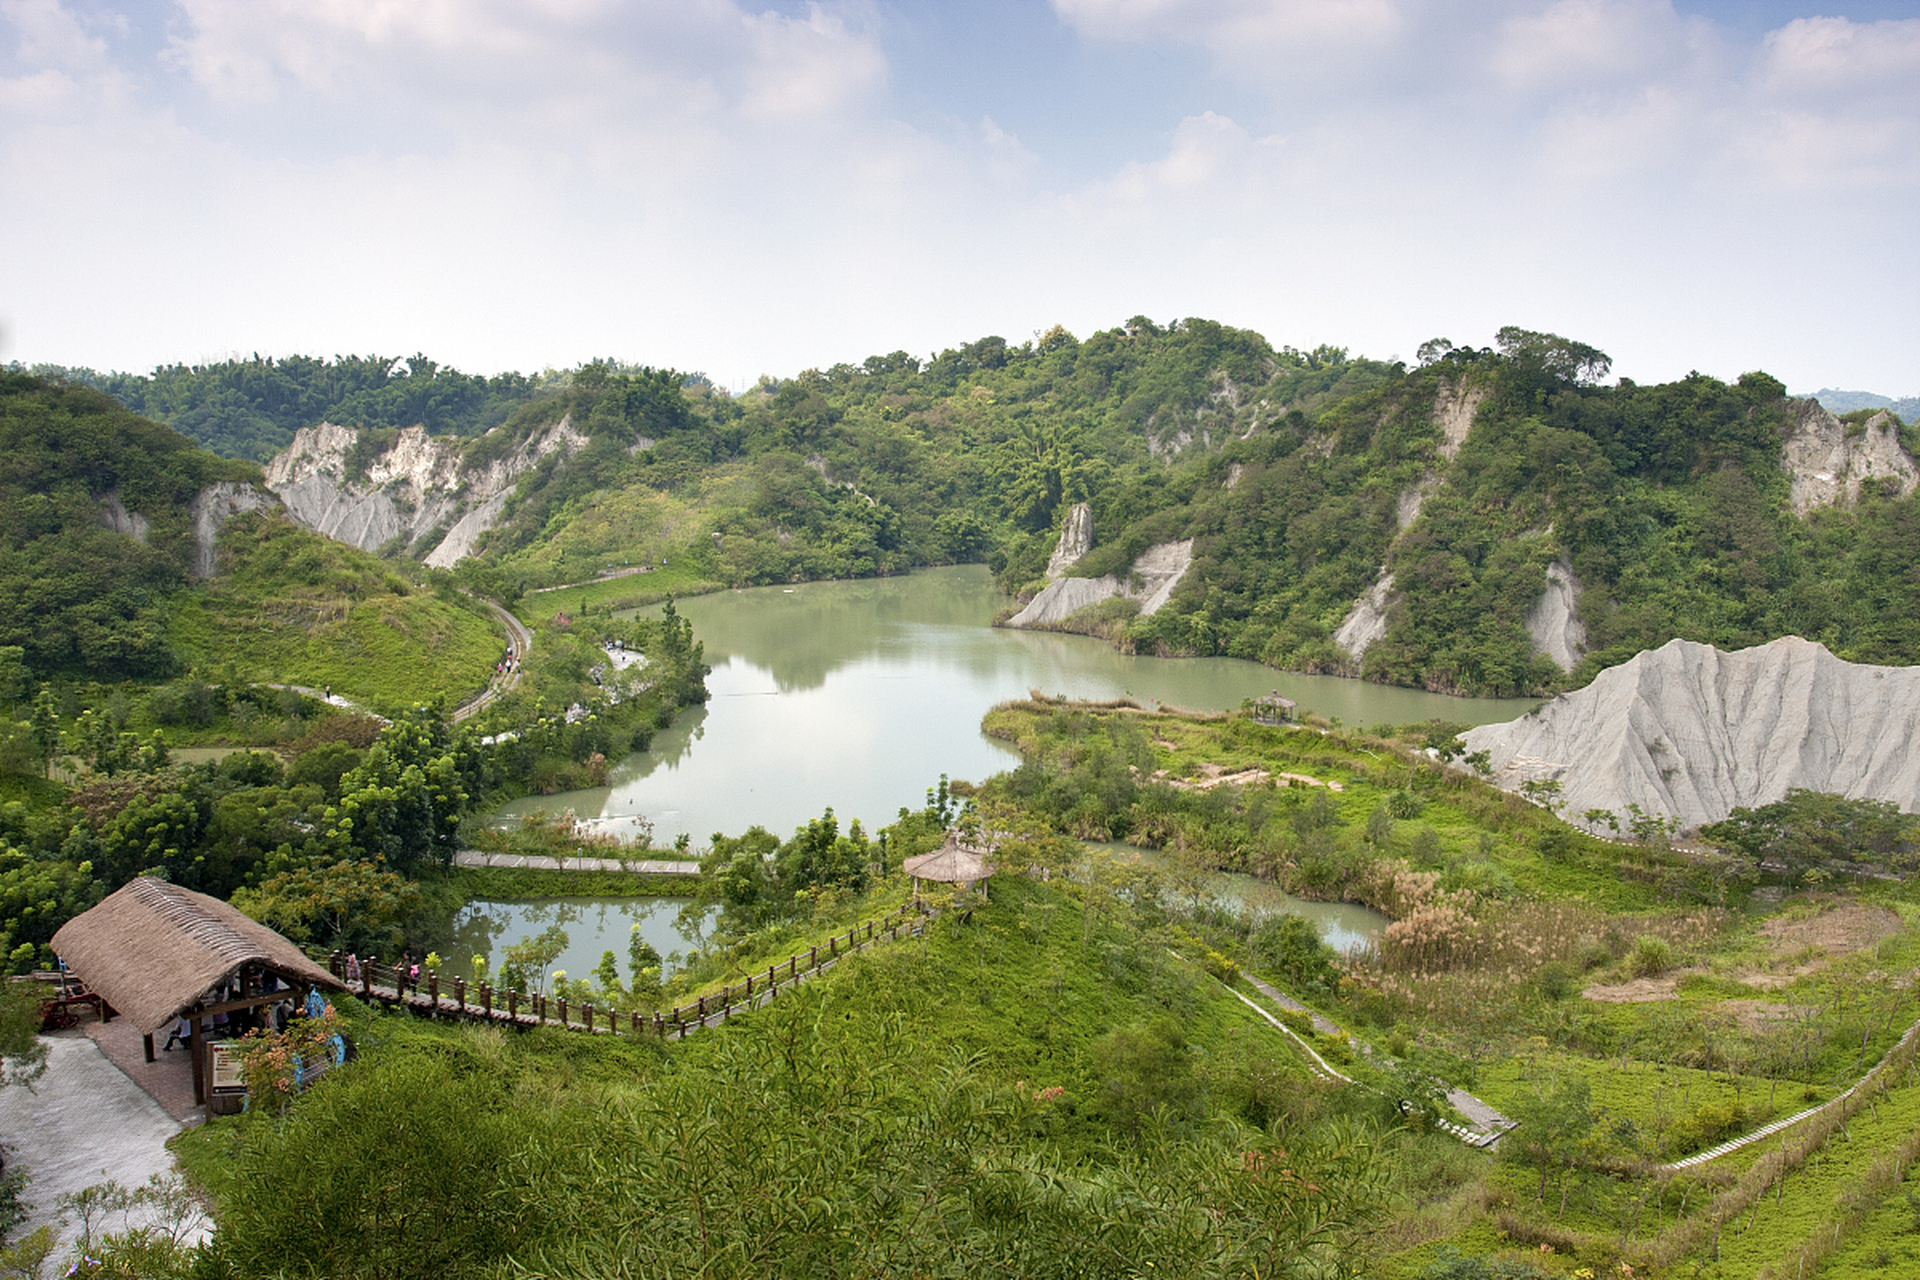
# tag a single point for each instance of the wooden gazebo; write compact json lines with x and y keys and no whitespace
{"x":156,"y":952}
{"x":1271,"y":708}
{"x":955,"y":862}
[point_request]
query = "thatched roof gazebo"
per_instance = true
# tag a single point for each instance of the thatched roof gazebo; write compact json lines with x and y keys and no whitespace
{"x":955,"y":862}
{"x":156,"y":952}
{"x":1271,"y":708}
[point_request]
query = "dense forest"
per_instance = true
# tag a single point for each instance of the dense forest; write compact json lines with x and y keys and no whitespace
{"x":250,"y":408}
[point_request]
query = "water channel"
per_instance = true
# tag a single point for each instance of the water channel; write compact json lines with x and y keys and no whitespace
{"x":859,"y":695}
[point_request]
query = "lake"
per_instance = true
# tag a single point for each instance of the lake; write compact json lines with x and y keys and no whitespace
{"x":859,"y":695}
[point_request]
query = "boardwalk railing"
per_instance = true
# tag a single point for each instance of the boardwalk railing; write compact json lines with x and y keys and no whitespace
{"x":481,"y":1002}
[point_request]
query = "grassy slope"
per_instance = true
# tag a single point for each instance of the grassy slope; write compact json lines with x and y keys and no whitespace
{"x":921,"y":1064}
{"x":290,"y":607}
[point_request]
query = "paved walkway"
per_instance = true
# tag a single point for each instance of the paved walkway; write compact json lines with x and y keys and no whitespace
{"x":168,"y":1079}
{"x":1488,"y":1125}
{"x":638,"y":866}
{"x":84,"y":1123}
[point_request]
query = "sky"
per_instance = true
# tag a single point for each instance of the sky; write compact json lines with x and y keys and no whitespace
{"x":746,"y":189}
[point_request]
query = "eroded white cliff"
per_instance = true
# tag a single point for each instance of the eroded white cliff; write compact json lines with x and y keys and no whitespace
{"x":1690,"y":732}
{"x":1826,"y":460}
{"x":416,"y":486}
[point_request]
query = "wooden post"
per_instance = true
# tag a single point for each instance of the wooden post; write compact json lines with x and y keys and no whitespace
{"x":366,"y":979}
{"x":486,"y":1000}
{"x":703,"y":1008}
{"x":563,"y":1011}
{"x":659,"y":1025}
{"x":813,"y":957}
{"x":460,"y":994}
{"x":586,"y":1013}
{"x":146,"y":1042}
{"x":791,"y":962}
{"x":513,"y":1003}
{"x":770,"y":981}
{"x":749,"y":988}
{"x":833,"y":947}
{"x":196,"y":1048}
{"x":335,"y":965}
{"x":433,"y":991}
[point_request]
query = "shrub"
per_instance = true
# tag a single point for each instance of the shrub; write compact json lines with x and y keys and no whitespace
{"x":1405,"y":804}
{"x":1652,"y":956}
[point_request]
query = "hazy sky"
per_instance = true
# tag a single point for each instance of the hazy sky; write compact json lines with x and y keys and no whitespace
{"x":740,"y":189}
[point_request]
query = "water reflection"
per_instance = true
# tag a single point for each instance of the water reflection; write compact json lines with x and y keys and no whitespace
{"x":860,"y":695}
{"x":1344,"y":926}
{"x":593,"y":926}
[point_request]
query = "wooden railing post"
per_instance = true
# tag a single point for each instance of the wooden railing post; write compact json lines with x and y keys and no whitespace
{"x":813,"y":957}
{"x":460,"y":995}
{"x":563,"y":1011}
{"x":586,"y":1014}
{"x":702,"y":1006}
{"x":433,"y":991}
{"x":486,"y":1000}
{"x":336,"y":965}
{"x":513,"y":1003}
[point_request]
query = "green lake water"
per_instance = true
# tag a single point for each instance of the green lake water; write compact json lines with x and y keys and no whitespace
{"x":592,"y":926}
{"x":859,"y":695}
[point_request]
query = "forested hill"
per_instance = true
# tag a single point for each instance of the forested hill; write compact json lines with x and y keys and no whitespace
{"x":128,"y":553}
{"x":250,"y":408}
{"x":96,"y":527}
{"x":1490,"y":520}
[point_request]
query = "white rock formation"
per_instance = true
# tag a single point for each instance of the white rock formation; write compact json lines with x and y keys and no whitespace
{"x":1825,"y":466}
{"x":1453,"y":409}
{"x":417,"y":485}
{"x":1689,"y":732}
{"x":1554,"y":622}
{"x":1367,"y":622}
{"x":114,"y":515}
{"x":1160,"y":569}
{"x":213,"y":506}
{"x":1412,"y":498}
{"x":1076,"y":539}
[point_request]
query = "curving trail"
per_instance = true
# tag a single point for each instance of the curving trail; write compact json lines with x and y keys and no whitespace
{"x":520,"y":640}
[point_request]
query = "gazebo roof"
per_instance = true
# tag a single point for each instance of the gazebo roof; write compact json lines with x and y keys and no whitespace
{"x":952,"y":863}
{"x":153,"y":950}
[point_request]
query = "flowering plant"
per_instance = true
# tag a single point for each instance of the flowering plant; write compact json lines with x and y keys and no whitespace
{"x":273,"y":1060}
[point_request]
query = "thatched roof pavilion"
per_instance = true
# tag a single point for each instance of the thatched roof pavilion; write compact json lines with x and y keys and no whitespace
{"x":955,"y":862}
{"x":1271,"y":708}
{"x":156,"y":952}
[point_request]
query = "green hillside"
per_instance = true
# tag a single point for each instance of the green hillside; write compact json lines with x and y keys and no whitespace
{"x":1291,"y":470}
{"x":97,"y":558}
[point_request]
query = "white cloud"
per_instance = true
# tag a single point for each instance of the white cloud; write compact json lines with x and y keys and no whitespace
{"x":1833,"y":54}
{"x":706,"y":184}
{"x":1238,"y":30}
{"x":1586,"y":43}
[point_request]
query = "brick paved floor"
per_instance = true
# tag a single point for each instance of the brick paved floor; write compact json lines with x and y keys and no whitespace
{"x":168,"y":1079}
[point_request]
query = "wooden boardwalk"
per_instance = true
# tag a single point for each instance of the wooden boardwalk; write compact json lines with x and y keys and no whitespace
{"x":480,"y":1002}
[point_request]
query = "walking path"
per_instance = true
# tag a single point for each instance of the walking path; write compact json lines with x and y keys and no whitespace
{"x":1488,"y":1125}
{"x":638,"y":866}
{"x":520,"y":642}
{"x":1767,"y":1131}
{"x":84,"y":1123}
